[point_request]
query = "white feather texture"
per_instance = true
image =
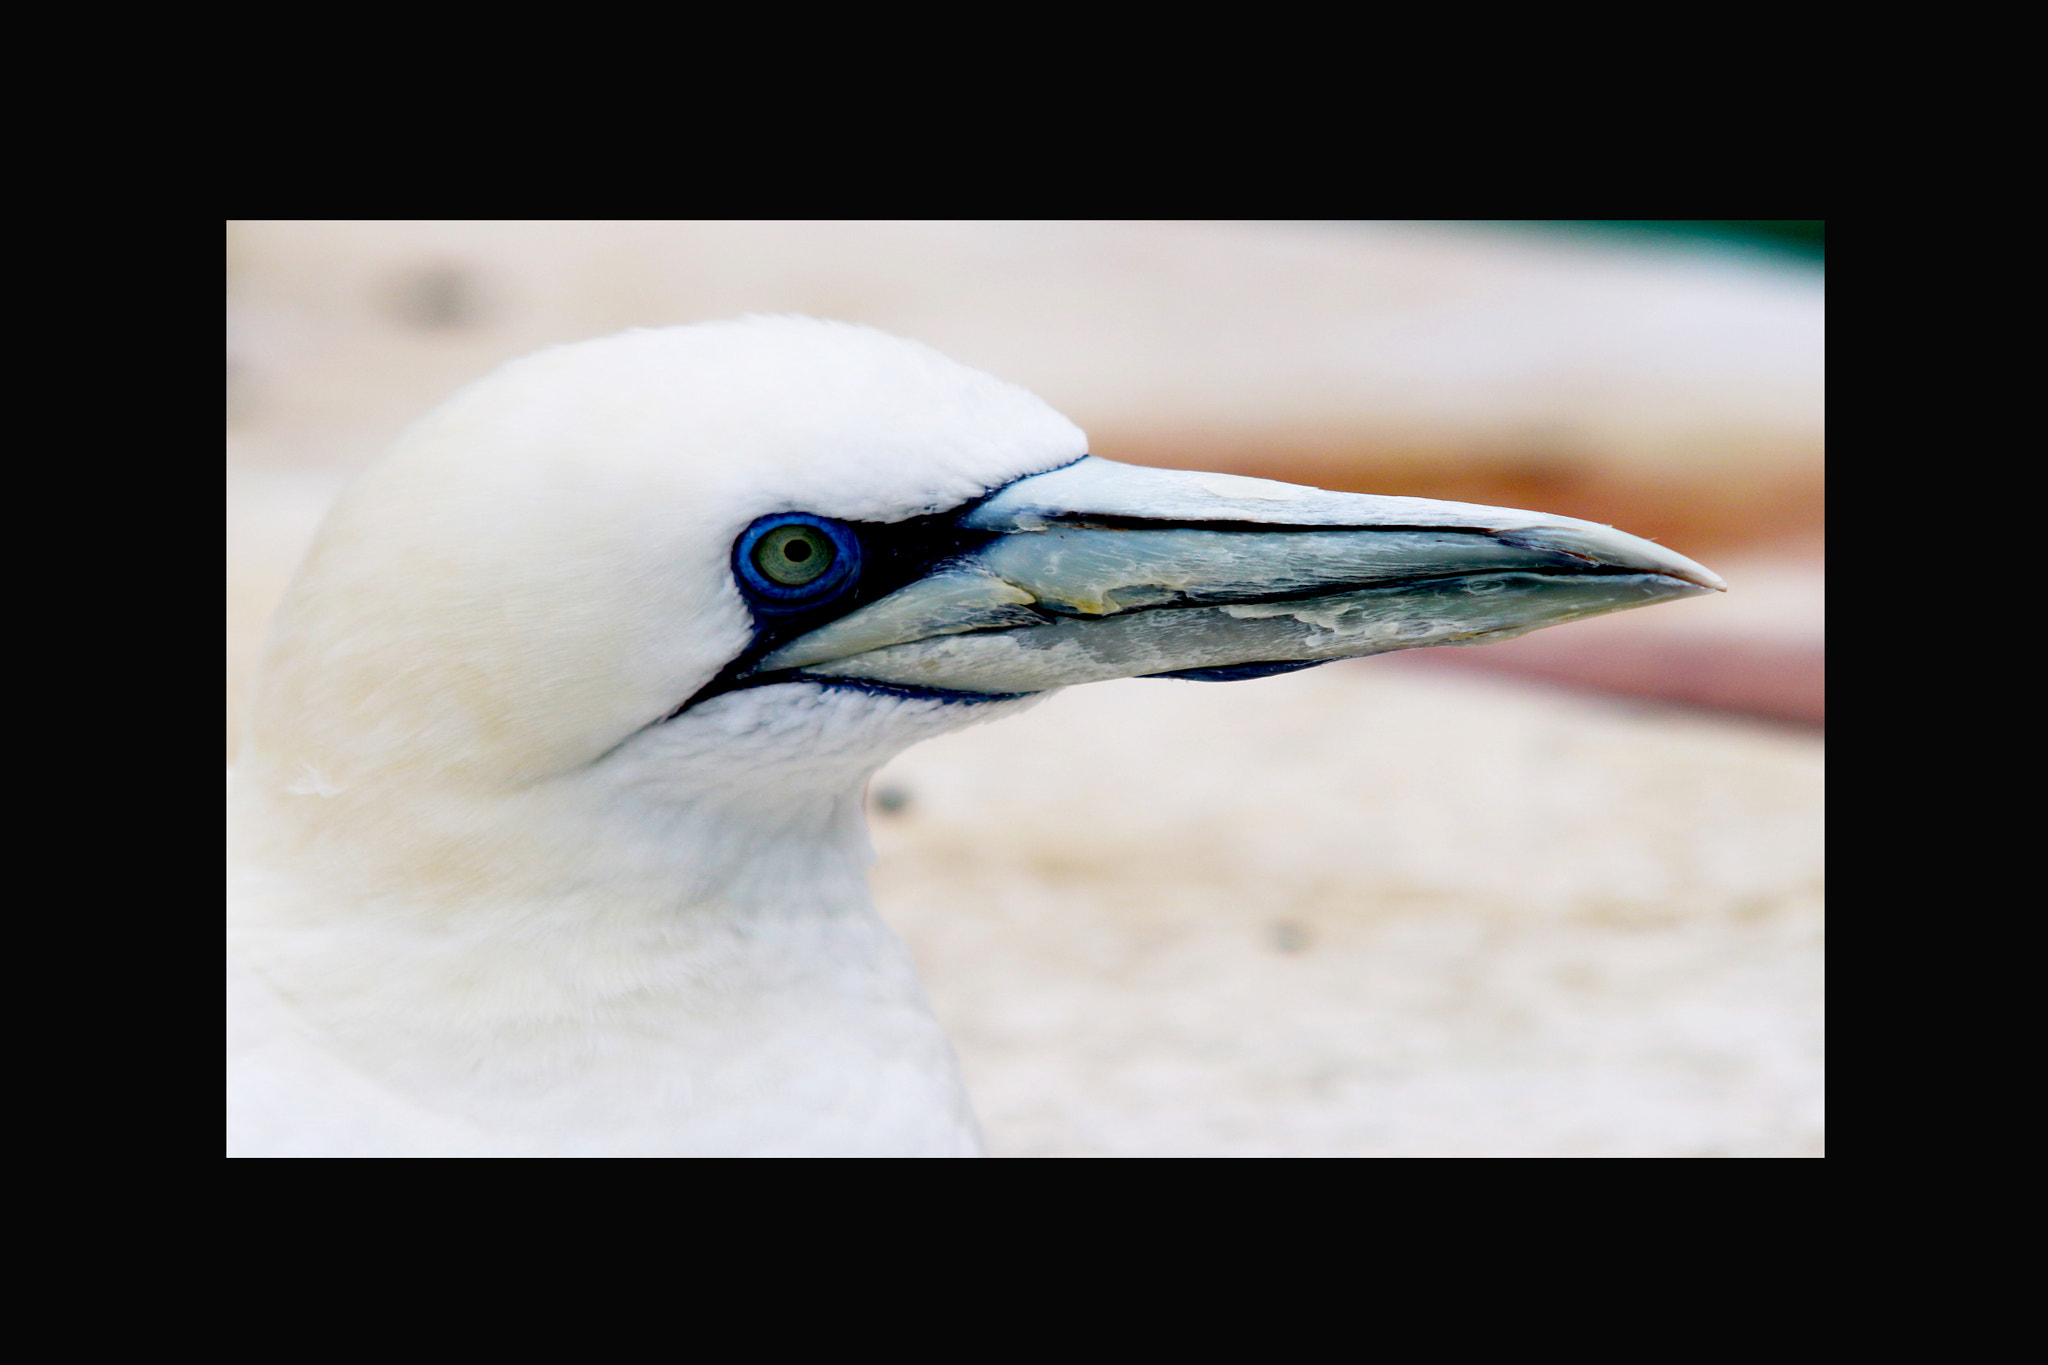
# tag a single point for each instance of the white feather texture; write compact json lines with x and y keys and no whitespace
{"x":481,"y":903}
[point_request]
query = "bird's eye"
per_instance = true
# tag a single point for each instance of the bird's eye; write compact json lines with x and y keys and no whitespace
{"x":794,"y":555}
{"x":796,"y":561}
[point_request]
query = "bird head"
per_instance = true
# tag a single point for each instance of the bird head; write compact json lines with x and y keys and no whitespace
{"x":748,"y":561}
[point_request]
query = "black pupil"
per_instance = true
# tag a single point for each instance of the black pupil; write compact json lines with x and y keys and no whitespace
{"x":797,"y":552}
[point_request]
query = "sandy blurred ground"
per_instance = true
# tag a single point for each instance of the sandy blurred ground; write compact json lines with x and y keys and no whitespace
{"x":1368,"y":912}
{"x":1431,"y":904}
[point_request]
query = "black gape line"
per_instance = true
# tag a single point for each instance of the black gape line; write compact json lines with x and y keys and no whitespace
{"x":888,"y":556}
{"x":1240,"y":672}
{"x":874,"y":560}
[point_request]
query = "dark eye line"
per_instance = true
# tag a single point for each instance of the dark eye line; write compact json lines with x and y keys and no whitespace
{"x":888,"y":555}
{"x":892,"y":554}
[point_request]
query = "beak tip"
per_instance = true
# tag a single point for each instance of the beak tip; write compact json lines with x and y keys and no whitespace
{"x":1704,"y":578}
{"x":1610,"y":546}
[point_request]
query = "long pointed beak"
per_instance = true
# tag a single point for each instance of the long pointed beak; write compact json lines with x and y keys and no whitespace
{"x":1100,"y":570}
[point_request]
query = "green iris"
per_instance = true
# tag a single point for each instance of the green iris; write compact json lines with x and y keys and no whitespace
{"x":794,"y":555}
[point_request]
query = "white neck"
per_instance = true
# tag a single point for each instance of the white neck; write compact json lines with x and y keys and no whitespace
{"x":651,"y":956}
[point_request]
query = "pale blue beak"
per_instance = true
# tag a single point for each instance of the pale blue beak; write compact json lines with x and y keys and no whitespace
{"x":1101,"y":570}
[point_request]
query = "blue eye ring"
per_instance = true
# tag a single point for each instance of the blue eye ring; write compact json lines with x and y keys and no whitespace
{"x":769,"y":595}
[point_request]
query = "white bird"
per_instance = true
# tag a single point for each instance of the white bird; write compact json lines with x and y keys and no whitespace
{"x":546,"y":834}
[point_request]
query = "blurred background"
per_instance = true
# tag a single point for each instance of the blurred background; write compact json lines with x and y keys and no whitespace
{"x":1559,"y":896}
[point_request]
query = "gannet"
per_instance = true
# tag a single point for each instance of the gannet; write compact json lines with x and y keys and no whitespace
{"x":546,"y":835}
